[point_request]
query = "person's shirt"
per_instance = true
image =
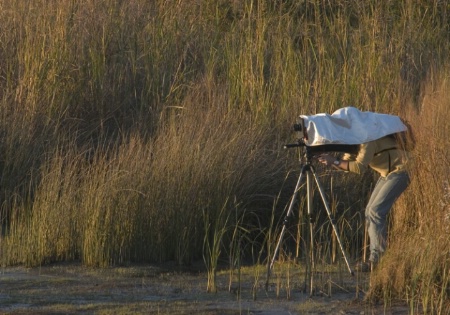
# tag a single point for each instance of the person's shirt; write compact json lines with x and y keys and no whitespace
{"x":381,"y":155}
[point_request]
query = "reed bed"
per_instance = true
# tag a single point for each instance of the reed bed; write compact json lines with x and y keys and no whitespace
{"x":145,"y":131}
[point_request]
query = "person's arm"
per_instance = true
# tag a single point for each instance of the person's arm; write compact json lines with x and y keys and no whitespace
{"x":362,"y":160}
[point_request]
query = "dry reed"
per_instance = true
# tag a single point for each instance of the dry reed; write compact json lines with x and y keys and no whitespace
{"x":126,"y":125}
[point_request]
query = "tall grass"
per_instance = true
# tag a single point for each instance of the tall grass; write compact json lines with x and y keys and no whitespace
{"x":420,"y":222}
{"x":127,"y":126}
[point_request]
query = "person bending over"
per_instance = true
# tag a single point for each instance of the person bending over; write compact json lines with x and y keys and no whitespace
{"x":390,"y":162}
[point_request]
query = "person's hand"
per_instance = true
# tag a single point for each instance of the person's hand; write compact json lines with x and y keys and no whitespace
{"x":326,"y":159}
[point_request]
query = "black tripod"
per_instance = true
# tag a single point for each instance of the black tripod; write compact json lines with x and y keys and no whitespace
{"x":309,"y":171}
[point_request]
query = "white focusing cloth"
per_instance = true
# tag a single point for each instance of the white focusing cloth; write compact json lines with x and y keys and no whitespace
{"x":349,"y":125}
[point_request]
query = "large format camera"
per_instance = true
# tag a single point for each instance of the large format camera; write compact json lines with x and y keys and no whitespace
{"x":302,"y":140}
{"x":344,"y":130}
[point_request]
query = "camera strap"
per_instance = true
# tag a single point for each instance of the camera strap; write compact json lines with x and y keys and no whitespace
{"x":388,"y":149}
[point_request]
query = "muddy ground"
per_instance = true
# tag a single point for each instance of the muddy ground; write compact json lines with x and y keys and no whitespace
{"x":74,"y":289}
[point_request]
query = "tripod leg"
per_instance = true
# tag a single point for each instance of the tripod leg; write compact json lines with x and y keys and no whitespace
{"x":311,"y":232}
{"x":332,"y":220}
{"x":283,"y":230}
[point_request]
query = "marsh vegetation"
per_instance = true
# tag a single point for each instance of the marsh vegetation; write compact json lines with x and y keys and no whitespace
{"x":153,"y":131}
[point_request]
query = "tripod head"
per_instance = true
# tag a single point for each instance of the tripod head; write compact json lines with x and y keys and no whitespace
{"x":306,"y":151}
{"x":310,"y":151}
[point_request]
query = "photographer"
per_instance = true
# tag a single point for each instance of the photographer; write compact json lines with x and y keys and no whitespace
{"x":384,"y":157}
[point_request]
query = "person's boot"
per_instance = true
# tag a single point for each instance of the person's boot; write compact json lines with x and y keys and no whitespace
{"x":363,"y":266}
